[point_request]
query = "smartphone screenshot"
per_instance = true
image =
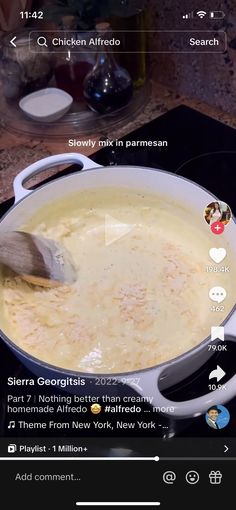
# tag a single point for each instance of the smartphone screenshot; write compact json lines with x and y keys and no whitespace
{"x":117,"y":254}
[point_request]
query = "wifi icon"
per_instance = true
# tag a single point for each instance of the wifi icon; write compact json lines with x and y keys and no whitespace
{"x":201,"y":14}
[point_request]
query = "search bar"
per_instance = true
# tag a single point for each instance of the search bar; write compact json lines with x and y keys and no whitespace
{"x":124,"y":41}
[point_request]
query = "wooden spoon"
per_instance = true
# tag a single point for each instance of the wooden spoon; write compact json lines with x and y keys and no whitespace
{"x":37,"y":260}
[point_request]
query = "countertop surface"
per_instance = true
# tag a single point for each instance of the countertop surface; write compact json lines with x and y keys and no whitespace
{"x":18,"y":152}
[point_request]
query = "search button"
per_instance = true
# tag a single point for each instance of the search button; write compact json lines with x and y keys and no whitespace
{"x":42,"y":41}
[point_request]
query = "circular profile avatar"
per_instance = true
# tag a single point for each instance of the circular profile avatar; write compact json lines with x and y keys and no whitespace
{"x":217,"y":417}
{"x":217,"y":212}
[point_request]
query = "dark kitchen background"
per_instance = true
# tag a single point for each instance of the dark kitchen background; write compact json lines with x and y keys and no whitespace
{"x":160,"y":81}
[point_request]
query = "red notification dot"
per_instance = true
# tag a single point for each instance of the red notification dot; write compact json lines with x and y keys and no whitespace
{"x":217,"y":227}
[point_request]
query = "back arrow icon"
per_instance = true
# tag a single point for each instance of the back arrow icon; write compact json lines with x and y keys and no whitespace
{"x":12,"y":41}
{"x":225,"y":448}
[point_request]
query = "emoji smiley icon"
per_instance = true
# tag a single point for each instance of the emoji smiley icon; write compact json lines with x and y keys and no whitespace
{"x":192,"y":477}
{"x":95,"y":408}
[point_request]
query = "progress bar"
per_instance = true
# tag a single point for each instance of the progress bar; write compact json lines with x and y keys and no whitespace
{"x":197,"y":458}
{"x":118,"y":503}
{"x":156,"y":458}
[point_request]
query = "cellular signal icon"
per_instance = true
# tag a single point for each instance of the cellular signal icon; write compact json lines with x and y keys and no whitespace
{"x":189,"y":15}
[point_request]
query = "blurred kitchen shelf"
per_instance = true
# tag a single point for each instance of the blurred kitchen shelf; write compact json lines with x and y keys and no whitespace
{"x":80,"y":121}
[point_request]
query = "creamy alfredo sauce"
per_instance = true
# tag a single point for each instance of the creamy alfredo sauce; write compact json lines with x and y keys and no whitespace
{"x":141,"y":296}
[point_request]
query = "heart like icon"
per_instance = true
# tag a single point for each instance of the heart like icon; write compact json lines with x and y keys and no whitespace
{"x":217,"y":254}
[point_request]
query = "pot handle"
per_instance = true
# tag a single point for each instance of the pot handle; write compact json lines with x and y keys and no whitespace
{"x":230,"y":327}
{"x":44,"y":164}
{"x":149,"y":386}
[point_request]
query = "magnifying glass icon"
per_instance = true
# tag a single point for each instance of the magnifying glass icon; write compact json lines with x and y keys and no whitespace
{"x":42,"y":41}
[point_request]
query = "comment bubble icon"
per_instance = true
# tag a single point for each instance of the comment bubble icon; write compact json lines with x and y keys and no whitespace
{"x":217,"y":294}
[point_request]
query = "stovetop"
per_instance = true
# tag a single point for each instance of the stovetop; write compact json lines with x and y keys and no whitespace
{"x":202,"y":150}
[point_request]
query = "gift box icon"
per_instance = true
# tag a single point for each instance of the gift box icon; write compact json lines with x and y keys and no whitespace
{"x":215,"y":477}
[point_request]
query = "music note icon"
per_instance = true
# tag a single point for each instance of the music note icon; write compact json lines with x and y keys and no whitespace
{"x":11,"y":425}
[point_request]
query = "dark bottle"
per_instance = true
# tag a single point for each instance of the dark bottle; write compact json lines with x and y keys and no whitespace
{"x":70,"y":71}
{"x":130,"y":23}
{"x":108,"y":86}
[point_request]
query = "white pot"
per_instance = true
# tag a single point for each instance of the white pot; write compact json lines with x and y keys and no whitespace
{"x":153,"y":180}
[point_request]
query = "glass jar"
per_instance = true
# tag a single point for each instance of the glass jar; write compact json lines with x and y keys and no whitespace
{"x":108,"y":86}
{"x":22,"y":70}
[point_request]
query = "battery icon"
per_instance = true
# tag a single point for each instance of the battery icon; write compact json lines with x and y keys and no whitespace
{"x":217,"y":14}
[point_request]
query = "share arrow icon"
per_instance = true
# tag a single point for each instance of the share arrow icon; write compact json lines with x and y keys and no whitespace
{"x":218,"y":374}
